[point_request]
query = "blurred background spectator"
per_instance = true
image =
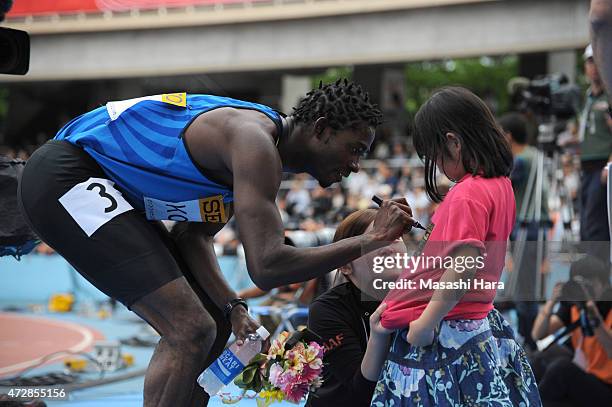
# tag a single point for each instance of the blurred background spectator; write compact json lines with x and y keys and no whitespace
{"x":595,"y":152}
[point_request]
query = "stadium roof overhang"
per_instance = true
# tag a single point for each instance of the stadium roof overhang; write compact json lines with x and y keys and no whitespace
{"x":451,"y":29}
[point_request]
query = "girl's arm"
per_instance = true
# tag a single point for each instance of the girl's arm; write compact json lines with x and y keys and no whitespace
{"x":378,"y":346}
{"x":442,"y":300}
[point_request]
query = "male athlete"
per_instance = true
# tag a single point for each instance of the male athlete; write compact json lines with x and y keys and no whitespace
{"x":97,"y":191}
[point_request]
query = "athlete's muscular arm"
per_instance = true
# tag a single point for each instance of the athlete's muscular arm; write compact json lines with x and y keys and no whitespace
{"x":196,"y":247}
{"x":257,"y":170}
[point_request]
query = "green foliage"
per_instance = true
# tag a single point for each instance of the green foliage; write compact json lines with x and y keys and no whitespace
{"x":4,"y":95}
{"x":332,"y":75}
{"x":250,"y":378}
{"x":485,"y":76}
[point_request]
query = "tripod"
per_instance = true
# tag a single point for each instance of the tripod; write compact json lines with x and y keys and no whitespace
{"x":530,"y":214}
{"x":526,"y":284}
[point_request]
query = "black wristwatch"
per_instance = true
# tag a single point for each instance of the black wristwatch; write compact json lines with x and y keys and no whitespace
{"x":227,"y":310}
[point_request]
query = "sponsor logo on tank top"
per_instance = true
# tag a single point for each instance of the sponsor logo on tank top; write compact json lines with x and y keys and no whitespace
{"x":209,"y":210}
{"x":115,"y":108}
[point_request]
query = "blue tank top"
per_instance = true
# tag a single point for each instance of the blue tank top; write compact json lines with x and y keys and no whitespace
{"x":139,"y":145}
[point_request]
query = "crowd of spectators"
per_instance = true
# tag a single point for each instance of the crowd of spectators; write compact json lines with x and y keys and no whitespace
{"x":391,"y":169}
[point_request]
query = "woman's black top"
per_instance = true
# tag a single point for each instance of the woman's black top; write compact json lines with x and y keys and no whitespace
{"x":341,"y":318}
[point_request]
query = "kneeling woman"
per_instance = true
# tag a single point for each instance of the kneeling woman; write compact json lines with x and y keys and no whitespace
{"x":347,"y":319}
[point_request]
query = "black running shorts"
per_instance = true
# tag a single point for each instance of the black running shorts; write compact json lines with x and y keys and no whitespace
{"x":74,"y":207}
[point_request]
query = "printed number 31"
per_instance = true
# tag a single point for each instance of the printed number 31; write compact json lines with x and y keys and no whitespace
{"x":103,"y":194}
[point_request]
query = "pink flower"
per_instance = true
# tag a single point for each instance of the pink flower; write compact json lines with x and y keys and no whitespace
{"x":293,"y":372}
{"x":313,"y":355}
{"x":315,"y":346}
{"x":296,"y":392}
{"x":275,"y":371}
{"x":309,"y":374}
{"x":316,"y":383}
{"x":277,"y":348}
{"x":295,"y":360}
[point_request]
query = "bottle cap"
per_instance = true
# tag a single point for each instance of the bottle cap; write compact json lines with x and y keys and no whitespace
{"x":263,"y":333}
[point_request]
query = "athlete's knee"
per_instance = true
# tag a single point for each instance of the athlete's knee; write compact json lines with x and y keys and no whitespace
{"x":196,"y":335}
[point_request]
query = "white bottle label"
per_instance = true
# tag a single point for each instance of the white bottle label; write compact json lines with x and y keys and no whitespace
{"x":227,"y":366}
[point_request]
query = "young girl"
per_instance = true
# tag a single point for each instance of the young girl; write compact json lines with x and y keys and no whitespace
{"x":451,"y":347}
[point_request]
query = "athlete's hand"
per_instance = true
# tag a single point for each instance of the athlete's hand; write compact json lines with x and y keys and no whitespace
{"x":394,"y":218}
{"x":242,"y":324}
{"x":420,"y":333}
{"x":402,"y":201}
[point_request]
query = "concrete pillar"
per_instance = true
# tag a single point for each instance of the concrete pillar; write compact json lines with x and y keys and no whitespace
{"x":269,"y":91}
{"x":393,"y":98}
{"x":370,"y":77}
{"x":564,"y":62}
{"x":293,"y":89}
{"x":129,"y":89}
{"x":533,"y":64}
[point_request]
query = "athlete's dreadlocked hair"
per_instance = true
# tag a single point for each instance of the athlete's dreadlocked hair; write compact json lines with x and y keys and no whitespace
{"x":344,"y":104}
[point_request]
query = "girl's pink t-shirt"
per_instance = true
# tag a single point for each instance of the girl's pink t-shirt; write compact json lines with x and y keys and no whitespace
{"x":479,"y":212}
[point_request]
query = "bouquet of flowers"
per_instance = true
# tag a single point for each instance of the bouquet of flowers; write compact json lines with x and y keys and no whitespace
{"x":289,"y":371}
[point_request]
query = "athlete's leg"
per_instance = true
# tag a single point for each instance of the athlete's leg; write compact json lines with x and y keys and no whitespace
{"x":223,"y":327}
{"x":187,"y":334}
{"x":126,"y":259}
{"x":223,"y":331}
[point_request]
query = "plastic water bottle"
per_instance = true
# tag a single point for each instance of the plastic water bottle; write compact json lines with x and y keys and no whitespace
{"x":231,"y":362}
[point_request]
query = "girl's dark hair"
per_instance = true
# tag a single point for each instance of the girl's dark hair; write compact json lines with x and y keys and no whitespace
{"x":344,"y":104}
{"x":353,"y":225}
{"x":484,"y":149}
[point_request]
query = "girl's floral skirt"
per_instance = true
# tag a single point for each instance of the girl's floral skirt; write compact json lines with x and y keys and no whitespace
{"x":470,"y":363}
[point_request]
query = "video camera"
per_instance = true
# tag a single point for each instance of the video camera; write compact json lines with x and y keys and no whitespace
{"x":578,"y":291}
{"x":547,"y":96}
{"x":14,"y":46}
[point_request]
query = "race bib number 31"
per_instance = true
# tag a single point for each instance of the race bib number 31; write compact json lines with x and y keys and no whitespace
{"x":93,"y":203}
{"x":210,"y":210}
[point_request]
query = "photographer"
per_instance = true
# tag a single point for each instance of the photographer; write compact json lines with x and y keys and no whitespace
{"x":596,"y":150}
{"x":514,"y":126}
{"x":587,"y":380}
{"x":600,"y":17}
